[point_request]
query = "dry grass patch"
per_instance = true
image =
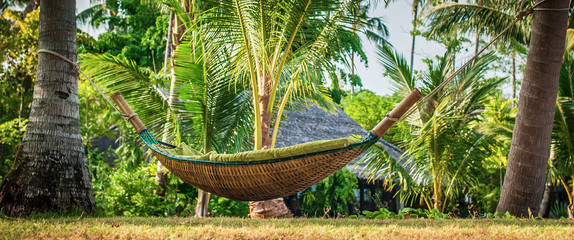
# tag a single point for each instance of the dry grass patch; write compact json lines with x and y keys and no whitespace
{"x":316,"y":229}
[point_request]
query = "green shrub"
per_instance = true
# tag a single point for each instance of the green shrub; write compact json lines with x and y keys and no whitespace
{"x":223,"y":207}
{"x":331,"y":196}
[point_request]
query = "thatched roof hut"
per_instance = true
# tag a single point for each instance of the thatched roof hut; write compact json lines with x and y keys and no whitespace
{"x":314,"y":124}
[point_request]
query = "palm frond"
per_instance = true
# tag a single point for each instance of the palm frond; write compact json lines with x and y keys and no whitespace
{"x":141,"y":88}
{"x":490,"y":18}
{"x":397,"y":68}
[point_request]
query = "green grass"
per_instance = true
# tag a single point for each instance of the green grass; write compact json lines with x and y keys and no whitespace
{"x":238,"y":228}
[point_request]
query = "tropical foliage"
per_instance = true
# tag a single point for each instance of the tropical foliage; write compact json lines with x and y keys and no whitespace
{"x":239,"y":64}
{"x":440,"y":163}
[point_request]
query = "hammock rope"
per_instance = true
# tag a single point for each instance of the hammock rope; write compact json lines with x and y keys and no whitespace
{"x":77,"y":67}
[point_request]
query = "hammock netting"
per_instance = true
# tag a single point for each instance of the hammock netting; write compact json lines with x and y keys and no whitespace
{"x":259,"y":175}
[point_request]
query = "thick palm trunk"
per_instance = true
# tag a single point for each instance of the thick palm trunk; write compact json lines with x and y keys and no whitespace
{"x":50,"y":171}
{"x":530,"y":149}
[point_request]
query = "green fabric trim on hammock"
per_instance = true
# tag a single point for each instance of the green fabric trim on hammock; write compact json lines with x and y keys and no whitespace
{"x":183,"y":150}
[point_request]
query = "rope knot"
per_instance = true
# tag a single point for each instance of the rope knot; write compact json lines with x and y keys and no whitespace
{"x":394,"y":119}
{"x":524,"y":13}
{"x":128,"y":117}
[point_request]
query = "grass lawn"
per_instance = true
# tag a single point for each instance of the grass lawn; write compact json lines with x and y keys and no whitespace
{"x":238,"y":228}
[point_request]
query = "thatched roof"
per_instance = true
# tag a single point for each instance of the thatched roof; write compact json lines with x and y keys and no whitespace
{"x":315,"y":124}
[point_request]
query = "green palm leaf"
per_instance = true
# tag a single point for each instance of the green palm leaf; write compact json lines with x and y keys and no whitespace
{"x":141,"y":88}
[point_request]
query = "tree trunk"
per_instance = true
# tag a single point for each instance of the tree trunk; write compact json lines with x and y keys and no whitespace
{"x":513,"y":74}
{"x":274,"y":208}
{"x":530,"y":148}
{"x":477,"y":37}
{"x":161,"y":176}
{"x":548,"y":188}
{"x":50,"y":172}
{"x":30,"y":7}
{"x":202,"y":204}
{"x":415,"y":12}
{"x":547,"y":197}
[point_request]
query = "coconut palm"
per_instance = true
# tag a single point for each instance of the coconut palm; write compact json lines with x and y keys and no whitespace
{"x":372,"y":27}
{"x":50,"y":172}
{"x":484,"y":17}
{"x":278,"y":49}
{"x":525,"y":174}
{"x":208,"y":112}
{"x":439,"y":144}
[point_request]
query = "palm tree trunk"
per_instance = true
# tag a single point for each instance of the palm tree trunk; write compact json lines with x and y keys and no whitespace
{"x":525,"y":174}
{"x":274,"y":208}
{"x":30,"y":6}
{"x":50,"y":172}
{"x":169,"y":44}
{"x":477,"y":37}
{"x":161,"y":176}
{"x":202,"y":204}
{"x":547,"y":197}
{"x":415,"y":13}
{"x":513,"y":74}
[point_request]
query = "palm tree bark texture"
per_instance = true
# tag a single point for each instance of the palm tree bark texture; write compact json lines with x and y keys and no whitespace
{"x":50,"y":171}
{"x":525,"y":174}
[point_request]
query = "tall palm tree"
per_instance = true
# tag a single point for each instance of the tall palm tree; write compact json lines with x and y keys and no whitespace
{"x":525,"y":174}
{"x":50,"y":170}
{"x":439,"y":145}
{"x":372,"y":27}
{"x":485,"y":17}
{"x":179,"y":27}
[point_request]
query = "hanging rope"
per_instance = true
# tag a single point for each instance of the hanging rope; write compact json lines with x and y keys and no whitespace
{"x":77,"y":66}
{"x":520,"y":16}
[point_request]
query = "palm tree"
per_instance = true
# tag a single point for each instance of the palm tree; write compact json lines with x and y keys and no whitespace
{"x":439,"y":144}
{"x":100,"y":12}
{"x":50,"y":170}
{"x":277,"y":49}
{"x":372,"y":27}
{"x":208,"y":113}
{"x":486,"y":17}
{"x":525,"y":174}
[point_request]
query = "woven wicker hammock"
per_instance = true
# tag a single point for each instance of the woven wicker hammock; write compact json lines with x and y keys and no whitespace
{"x":262,"y":179}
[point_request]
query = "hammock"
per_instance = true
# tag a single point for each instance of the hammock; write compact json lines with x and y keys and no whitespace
{"x":263,"y":174}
